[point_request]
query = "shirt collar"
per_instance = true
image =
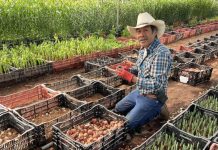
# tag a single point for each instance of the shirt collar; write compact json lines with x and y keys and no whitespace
{"x":152,"y":46}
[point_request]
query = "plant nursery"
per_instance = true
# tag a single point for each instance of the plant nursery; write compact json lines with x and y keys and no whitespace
{"x":60,"y":81}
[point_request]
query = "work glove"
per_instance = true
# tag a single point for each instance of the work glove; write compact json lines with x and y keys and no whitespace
{"x":125,"y":64}
{"x":120,"y":71}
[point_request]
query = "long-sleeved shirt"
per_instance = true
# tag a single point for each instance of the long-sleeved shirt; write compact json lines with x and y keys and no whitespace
{"x":153,"y":70}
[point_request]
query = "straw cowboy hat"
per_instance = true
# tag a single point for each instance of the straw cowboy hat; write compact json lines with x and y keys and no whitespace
{"x":145,"y":19}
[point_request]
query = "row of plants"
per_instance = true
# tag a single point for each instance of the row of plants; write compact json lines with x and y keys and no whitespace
{"x":198,"y":124}
{"x":39,"y":19}
{"x":210,"y":103}
{"x":171,"y":142}
{"x":24,"y":57}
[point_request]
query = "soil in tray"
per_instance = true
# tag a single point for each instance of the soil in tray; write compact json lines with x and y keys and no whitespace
{"x":123,"y":86}
{"x":69,"y":88}
{"x":100,"y":78}
{"x":7,"y":135}
{"x":192,"y":70}
{"x":93,"y":97}
{"x":52,"y":114}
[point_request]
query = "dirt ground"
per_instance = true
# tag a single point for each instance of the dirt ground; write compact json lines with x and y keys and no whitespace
{"x":180,"y":95}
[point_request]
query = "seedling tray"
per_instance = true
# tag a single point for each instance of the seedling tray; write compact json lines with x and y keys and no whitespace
{"x":208,"y":101}
{"x":68,"y":84}
{"x":198,"y":122}
{"x":25,"y":138}
{"x":98,"y":93}
{"x":170,"y":138}
{"x":64,"y":141}
{"x":34,"y":114}
{"x":100,"y":62}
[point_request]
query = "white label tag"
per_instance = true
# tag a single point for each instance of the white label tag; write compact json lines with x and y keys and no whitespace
{"x":183,"y":79}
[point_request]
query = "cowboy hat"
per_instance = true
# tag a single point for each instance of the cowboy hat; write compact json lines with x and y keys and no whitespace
{"x":145,"y":19}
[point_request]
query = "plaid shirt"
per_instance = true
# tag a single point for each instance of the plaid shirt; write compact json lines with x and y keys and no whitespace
{"x":154,"y":69}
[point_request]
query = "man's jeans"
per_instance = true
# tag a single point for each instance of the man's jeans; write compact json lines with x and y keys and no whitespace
{"x":138,"y":109}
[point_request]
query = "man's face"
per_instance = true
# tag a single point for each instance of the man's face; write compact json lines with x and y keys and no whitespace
{"x":145,"y":36}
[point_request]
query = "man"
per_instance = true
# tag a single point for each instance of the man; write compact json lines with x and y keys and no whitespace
{"x":153,"y":67}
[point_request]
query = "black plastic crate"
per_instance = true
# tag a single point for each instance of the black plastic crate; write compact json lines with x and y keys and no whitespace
{"x":207,"y":54}
{"x":100,"y":62}
{"x":190,"y":115}
{"x":193,"y":74}
{"x":3,"y":109}
{"x":25,"y":139}
{"x":103,"y":75}
{"x":177,"y":61}
{"x":216,"y":87}
{"x":179,"y":35}
{"x":188,"y":56}
{"x":196,"y":44}
{"x":133,"y":53}
{"x":68,"y":85}
{"x":212,"y":38}
{"x":173,"y":52}
{"x":37,"y":70}
{"x":169,"y":130}
{"x":43,"y":128}
{"x":109,"y":78}
{"x":13,"y":76}
{"x":126,"y":86}
{"x":208,"y":101}
{"x":210,"y":47}
{"x":98,"y":93}
{"x":130,"y":55}
{"x":63,"y":141}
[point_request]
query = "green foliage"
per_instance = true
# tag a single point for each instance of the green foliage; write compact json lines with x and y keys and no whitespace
{"x":211,"y":102}
{"x":39,"y":19}
{"x":198,"y":124}
{"x":24,"y":57}
{"x":171,"y":142}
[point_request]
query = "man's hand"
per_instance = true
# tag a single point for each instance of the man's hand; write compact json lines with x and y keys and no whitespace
{"x":129,"y":63}
{"x":120,"y":71}
{"x":214,"y":146}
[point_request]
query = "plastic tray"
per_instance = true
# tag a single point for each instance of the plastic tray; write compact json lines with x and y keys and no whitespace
{"x":100,"y":94}
{"x":44,"y":129}
{"x":100,"y":62}
{"x":38,"y":93}
{"x":3,"y":109}
{"x":192,"y":77}
{"x":26,"y":138}
{"x":205,"y":96}
{"x":179,"y":136}
{"x":188,"y":56}
{"x":177,"y":61}
{"x":12,"y":76}
{"x":68,"y":85}
{"x":62,"y":141}
{"x":103,"y":75}
{"x":178,"y":119}
{"x":37,"y":70}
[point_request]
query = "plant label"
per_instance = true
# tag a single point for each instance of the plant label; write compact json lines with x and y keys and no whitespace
{"x":183,"y":79}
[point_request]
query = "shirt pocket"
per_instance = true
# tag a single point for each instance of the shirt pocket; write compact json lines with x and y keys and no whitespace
{"x":145,"y":65}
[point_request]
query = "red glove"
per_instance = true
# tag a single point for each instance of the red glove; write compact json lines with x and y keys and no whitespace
{"x":124,"y":74}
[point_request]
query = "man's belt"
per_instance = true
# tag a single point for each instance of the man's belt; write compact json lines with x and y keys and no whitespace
{"x":151,"y":96}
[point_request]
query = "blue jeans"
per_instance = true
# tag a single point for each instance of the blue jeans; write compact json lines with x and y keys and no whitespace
{"x":138,"y":109}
